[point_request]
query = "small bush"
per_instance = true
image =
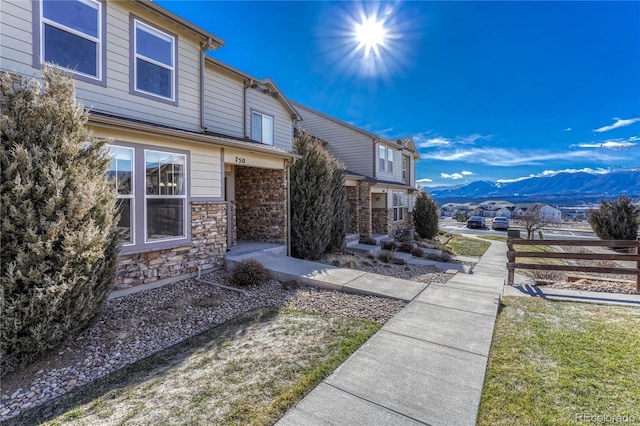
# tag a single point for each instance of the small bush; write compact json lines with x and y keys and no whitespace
{"x":386,"y":256}
{"x":249,"y":272}
{"x":546,"y":275}
{"x":406,"y":247}
{"x":615,"y":220}
{"x":417,"y":252}
{"x":397,"y":261}
{"x":388,"y":245}
{"x":368,"y":241}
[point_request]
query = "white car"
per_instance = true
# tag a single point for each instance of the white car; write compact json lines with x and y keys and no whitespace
{"x":500,"y":223}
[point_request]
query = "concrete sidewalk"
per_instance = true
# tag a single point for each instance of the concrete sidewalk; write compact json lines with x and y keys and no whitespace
{"x":426,"y":365}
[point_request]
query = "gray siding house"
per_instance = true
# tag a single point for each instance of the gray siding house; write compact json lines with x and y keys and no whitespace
{"x":200,"y":151}
{"x":380,"y":172}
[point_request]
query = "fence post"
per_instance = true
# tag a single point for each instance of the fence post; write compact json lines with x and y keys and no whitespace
{"x":638,"y":266}
{"x":510,"y":259}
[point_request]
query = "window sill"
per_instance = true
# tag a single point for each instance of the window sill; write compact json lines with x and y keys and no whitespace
{"x":151,"y":247}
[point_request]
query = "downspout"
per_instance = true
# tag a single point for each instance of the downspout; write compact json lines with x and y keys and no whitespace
{"x":247,"y":84}
{"x":375,"y":160}
{"x":203,"y":52}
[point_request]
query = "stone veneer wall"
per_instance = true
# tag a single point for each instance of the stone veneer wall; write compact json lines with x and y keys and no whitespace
{"x":261,"y":204}
{"x":364,"y":209}
{"x":381,"y":220}
{"x":207,"y":250}
{"x":352,"y":199}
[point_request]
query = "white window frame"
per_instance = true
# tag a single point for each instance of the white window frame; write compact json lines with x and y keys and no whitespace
{"x":263,"y":135}
{"x":185,"y":212}
{"x":382,"y":157}
{"x":405,"y":167}
{"x":398,"y":210}
{"x":131,"y":197}
{"x":161,"y":35}
{"x":97,"y":40}
{"x":389,"y":160}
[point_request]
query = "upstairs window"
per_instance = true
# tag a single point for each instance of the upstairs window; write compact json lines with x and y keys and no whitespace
{"x":262,"y":128}
{"x":154,"y":62}
{"x":405,"y":168}
{"x":72,"y":36}
{"x":382,"y":157}
{"x":390,"y":160}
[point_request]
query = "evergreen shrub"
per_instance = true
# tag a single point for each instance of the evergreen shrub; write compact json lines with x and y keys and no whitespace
{"x":59,"y":215}
{"x":425,"y":216}
{"x":615,"y":220}
{"x":249,"y":273}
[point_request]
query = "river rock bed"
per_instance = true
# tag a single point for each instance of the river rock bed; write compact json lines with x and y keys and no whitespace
{"x":135,"y":326}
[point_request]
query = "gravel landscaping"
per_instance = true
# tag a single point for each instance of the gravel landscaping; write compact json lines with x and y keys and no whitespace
{"x":135,"y":326}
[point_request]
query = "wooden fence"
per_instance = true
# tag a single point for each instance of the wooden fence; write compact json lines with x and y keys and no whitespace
{"x":634,"y":256}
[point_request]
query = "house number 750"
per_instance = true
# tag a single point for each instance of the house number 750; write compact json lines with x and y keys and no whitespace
{"x":241,"y":160}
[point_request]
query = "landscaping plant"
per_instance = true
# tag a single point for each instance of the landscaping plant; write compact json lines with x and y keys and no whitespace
{"x":58,"y":213}
{"x":249,"y":273}
{"x":425,"y":216}
{"x":615,"y":220}
{"x":319,"y":212}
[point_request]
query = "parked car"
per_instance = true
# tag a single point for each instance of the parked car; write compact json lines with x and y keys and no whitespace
{"x":500,"y":223}
{"x":476,"y":222}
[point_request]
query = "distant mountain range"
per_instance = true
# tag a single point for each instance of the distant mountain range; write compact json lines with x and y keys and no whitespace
{"x":562,"y":188}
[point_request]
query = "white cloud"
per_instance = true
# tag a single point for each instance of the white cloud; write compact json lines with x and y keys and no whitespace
{"x":611,"y":144}
{"x":427,"y":140}
{"x":424,"y":180}
{"x":568,"y":129}
{"x":618,"y":123}
{"x":502,"y":157}
{"x":456,"y":176}
{"x":548,"y":173}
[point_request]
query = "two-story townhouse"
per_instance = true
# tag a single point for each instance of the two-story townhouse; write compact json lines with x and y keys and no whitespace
{"x":181,"y":165}
{"x":380,"y":176}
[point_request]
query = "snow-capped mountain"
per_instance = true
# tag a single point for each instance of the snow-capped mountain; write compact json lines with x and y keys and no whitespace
{"x":570,"y":186}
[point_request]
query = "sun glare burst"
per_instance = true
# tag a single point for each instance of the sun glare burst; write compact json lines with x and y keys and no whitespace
{"x":370,"y":34}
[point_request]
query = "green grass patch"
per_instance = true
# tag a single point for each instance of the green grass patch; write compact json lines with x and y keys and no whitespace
{"x":502,"y":238}
{"x":553,"y":362}
{"x":248,"y":371}
{"x":465,"y":246}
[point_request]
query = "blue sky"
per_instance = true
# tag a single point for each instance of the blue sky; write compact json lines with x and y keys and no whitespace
{"x":488,"y":90}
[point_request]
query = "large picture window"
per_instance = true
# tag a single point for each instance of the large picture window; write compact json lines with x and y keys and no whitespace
{"x":71,"y":35}
{"x":262,"y":128}
{"x":154,"y":64}
{"x":166,"y":195}
{"x":152,"y":193}
{"x":121,"y":174}
{"x":398,"y":206}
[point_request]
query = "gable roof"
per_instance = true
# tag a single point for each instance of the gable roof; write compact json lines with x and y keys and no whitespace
{"x":268,"y":86}
{"x":215,"y":40}
{"x":406,"y":143}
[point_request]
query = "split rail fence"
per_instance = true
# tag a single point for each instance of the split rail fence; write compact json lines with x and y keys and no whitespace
{"x":633,"y":256}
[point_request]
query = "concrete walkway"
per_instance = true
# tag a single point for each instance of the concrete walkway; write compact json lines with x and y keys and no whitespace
{"x":424,"y":366}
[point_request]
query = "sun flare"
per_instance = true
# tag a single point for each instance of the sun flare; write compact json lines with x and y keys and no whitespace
{"x":370,"y":34}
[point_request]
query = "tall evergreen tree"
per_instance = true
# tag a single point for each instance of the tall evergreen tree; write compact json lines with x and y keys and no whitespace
{"x":425,"y":216}
{"x":58,"y":213}
{"x":318,"y":199}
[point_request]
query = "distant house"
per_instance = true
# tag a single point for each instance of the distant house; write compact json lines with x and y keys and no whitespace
{"x":547,"y":213}
{"x":380,"y":175}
